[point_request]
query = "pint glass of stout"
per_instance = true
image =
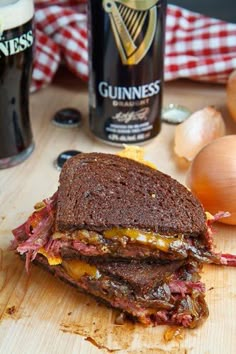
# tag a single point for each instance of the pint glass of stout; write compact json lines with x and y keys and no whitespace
{"x":16,"y":54}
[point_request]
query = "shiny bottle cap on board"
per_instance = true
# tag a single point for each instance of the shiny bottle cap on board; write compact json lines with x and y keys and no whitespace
{"x":67,"y":118}
{"x":175,"y":113}
{"x":63,"y":157}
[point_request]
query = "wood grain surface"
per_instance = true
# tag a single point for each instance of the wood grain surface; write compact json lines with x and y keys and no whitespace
{"x":40,"y":314}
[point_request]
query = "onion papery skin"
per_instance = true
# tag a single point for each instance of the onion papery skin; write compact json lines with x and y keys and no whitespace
{"x":212,"y":177}
{"x":197,"y":131}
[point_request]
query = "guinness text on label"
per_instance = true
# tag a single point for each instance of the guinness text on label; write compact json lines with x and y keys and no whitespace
{"x":17,"y":44}
{"x":128,"y":93}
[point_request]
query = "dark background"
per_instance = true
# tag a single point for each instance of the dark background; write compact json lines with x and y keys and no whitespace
{"x":222,"y":9}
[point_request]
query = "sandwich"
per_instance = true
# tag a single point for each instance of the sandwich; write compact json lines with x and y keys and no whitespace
{"x":127,"y":234}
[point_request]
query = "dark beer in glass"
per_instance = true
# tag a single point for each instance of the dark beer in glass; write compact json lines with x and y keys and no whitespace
{"x":16,"y":55}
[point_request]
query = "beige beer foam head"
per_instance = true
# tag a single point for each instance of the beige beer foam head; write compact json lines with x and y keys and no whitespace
{"x":14,"y":13}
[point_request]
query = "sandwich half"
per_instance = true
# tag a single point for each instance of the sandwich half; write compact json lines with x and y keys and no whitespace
{"x":130,"y":235}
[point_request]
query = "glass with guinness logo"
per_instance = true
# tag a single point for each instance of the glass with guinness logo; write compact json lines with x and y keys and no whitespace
{"x":16,"y":55}
{"x":126,"y":55}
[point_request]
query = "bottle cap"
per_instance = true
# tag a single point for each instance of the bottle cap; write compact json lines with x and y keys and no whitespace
{"x":63,"y":157}
{"x":175,"y":113}
{"x":67,"y":118}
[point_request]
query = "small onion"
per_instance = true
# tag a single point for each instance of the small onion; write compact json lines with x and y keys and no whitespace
{"x":198,"y":130}
{"x":212,"y":177}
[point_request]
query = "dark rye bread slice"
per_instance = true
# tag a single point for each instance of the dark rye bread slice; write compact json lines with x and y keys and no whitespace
{"x":141,"y":276}
{"x":102,"y":191}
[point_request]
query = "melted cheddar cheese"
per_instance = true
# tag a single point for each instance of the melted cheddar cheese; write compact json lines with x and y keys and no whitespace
{"x":209,"y":216}
{"x":76,"y":269}
{"x":135,"y":153}
{"x":147,"y":238}
{"x":52,"y":260}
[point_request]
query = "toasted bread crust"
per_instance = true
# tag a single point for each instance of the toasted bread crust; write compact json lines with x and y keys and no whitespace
{"x":101,"y":191}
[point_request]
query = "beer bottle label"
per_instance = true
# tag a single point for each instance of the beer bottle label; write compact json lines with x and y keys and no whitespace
{"x":137,"y":12}
{"x":17,"y":40}
{"x":126,"y":50}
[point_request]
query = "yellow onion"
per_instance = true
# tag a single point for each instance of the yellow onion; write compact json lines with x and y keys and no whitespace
{"x":212,"y":177}
{"x":198,"y":130}
{"x":231,"y":94}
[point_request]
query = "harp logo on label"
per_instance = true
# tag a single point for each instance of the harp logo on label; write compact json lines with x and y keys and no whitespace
{"x":17,"y":44}
{"x":133,"y":23}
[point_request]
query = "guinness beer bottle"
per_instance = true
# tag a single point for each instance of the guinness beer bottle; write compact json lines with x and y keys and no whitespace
{"x":16,"y":43}
{"x":126,"y":52}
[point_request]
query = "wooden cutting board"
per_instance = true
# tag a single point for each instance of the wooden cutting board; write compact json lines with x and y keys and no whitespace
{"x":40,"y":314}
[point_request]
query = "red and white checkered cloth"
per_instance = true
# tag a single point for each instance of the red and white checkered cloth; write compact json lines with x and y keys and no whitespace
{"x":197,"y":47}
